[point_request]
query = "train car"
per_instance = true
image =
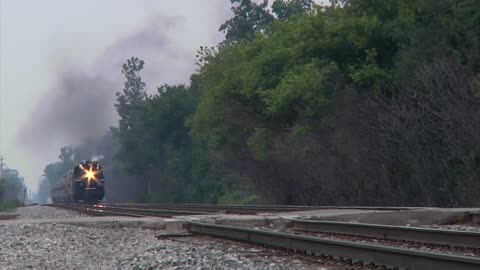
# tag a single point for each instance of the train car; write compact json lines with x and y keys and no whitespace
{"x":84,"y":183}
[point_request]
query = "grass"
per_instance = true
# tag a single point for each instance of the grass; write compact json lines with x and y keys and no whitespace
{"x":7,"y":207}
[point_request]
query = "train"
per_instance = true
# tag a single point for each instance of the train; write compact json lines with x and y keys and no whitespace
{"x":84,"y":183}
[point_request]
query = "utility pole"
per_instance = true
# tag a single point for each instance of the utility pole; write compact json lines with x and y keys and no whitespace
{"x":2,"y":164}
{"x":1,"y":107}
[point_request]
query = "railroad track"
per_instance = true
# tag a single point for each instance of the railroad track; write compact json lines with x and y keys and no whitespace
{"x":364,"y":254}
{"x":168,"y":210}
{"x":104,"y":210}
{"x":253,"y":209}
{"x":356,"y":253}
{"x":388,"y":232}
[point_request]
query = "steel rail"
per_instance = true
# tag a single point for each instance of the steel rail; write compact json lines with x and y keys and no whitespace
{"x":124,"y":211}
{"x":415,"y":234}
{"x":152,"y":212}
{"x":86,"y":209}
{"x":252,"y":208}
{"x":367,"y":253}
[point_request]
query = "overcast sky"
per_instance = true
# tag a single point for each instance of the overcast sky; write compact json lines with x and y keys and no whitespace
{"x":61,"y":59}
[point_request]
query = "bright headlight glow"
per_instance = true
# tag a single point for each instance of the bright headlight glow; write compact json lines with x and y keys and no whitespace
{"x":89,"y":174}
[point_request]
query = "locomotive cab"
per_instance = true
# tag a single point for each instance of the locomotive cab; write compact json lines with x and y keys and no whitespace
{"x":85,"y":183}
{"x":88,"y":182}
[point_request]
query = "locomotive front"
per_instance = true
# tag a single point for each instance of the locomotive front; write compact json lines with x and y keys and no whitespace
{"x":88,"y":182}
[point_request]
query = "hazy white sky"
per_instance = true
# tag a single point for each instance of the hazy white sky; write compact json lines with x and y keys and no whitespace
{"x":51,"y":44}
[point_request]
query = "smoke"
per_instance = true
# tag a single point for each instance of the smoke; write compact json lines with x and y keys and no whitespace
{"x":167,"y":59}
{"x":96,"y":157}
{"x":80,"y":105}
{"x":75,"y":109}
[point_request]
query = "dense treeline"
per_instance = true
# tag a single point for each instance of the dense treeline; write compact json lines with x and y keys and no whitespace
{"x":12,"y":189}
{"x":372,"y":102}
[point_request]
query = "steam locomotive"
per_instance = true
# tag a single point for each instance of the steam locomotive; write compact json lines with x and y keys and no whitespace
{"x":84,"y":183}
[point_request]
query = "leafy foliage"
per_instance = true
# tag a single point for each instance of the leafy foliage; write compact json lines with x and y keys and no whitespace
{"x":129,"y":106}
{"x":359,"y":102}
{"x":285,"y":9}
{"x":300,"y":73}
{"x":12,"y":189}
{"x":248,"y":19}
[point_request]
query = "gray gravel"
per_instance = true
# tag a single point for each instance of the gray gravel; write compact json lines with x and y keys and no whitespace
{"x":60,"y":246}
{"x":51,"y":245}
{"x":456,"y":227}
{"x":45,"y":212}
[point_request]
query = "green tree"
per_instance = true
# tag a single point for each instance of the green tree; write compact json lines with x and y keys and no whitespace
{"x":12,"y":188}
{"x":281,"y":99}
{"x":130,"y":104}
{"x":133,"y":96}
{"x":359,"y":102}
{"x":285,"y":9}
{"x":53,"y":172}
{"x":249,"y":18}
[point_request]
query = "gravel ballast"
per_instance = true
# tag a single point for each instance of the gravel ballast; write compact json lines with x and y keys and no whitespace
{"x":60,"y":246}
{"x":45,"y":212}
{"x":53,"y":245}
{"x":456,"y":227}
